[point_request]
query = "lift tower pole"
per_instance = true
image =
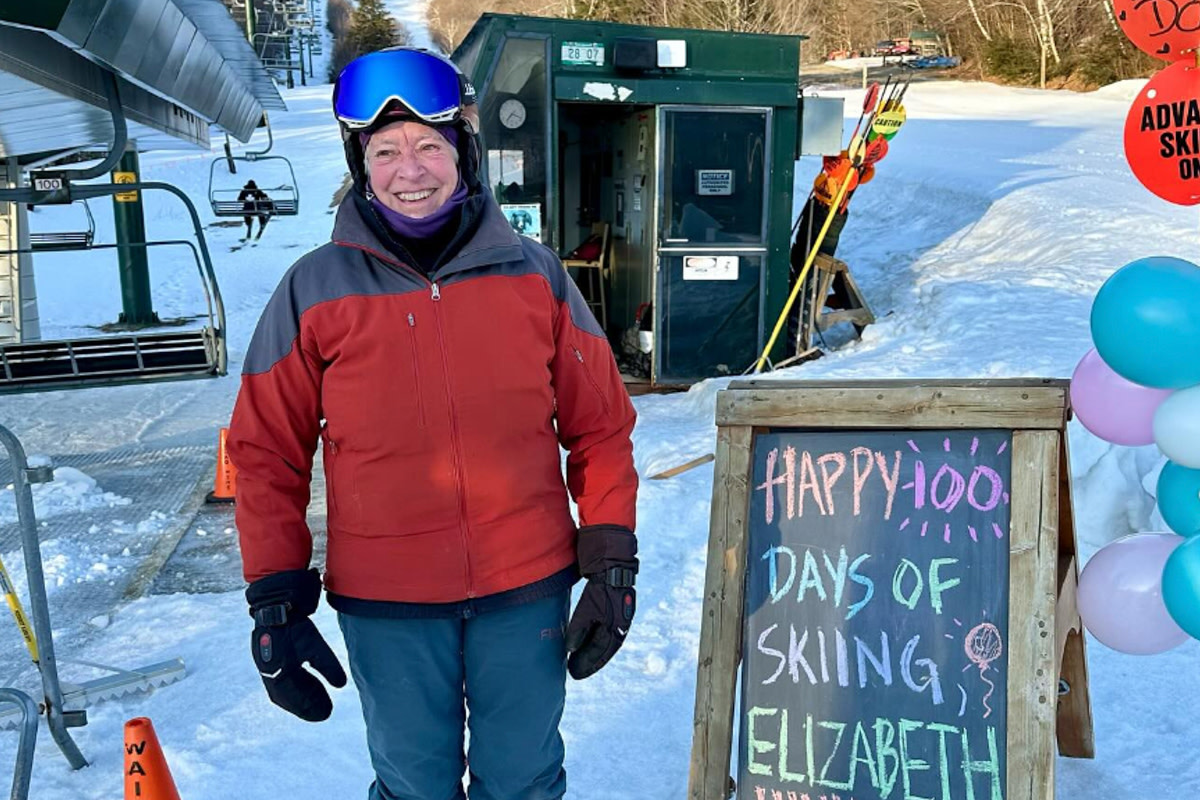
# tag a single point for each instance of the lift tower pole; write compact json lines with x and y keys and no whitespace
{"x":130,"y":223}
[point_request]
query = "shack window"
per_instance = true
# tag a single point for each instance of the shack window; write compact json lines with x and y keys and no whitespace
{"x":715,"y":187}
{"x":514,"y":119}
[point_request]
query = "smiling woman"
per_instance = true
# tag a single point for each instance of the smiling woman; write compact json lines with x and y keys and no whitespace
{"x":442,"y":362}
{"x":411,"y":168}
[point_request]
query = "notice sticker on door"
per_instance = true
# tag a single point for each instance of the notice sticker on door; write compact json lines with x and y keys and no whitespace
{"x":714,"y":182}
{"x":710,"y":268}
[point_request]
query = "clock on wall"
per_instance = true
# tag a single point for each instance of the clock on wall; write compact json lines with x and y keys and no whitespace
{"x":512,"y":113}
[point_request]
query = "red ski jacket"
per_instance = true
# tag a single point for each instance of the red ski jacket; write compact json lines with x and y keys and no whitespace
{"x":441,"y":405}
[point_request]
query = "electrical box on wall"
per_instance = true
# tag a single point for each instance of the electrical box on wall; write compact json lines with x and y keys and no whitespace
{"x":821,"y":126}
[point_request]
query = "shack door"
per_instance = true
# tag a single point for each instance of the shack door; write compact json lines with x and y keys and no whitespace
{"x":712,"y":240}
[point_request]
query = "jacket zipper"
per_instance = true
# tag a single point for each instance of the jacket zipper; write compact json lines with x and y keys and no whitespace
{"x":591,"y":380}
{"x":412,"y":339}
{"x":436,"y":296}
{"x":329,"y":466}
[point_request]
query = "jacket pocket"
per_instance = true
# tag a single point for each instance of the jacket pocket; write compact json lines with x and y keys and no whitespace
{"x":416,"y":369}
{"x":583,"y":364}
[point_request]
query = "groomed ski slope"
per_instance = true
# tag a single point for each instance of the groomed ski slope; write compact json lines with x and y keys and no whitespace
{"x":995,"y":218}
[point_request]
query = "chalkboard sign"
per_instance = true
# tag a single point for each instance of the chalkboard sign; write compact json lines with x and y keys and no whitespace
{"x":891,"y":572}
{"x":876,"y":622}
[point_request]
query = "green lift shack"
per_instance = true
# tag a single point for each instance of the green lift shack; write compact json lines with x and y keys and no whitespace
{"x":678,"y":148}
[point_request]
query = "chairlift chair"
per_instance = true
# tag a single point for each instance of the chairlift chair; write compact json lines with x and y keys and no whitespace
{"x":65,"y":240}
{"x":130,"y":357}
{"x":284,"y":199}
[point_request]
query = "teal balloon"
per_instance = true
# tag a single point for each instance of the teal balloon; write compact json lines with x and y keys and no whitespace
{"x":1181,"y":586}
{"x":1178,"y":496}
{"x":1146,"y":322}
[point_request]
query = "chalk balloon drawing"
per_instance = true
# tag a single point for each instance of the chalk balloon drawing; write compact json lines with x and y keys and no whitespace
{"x":984,"y":645}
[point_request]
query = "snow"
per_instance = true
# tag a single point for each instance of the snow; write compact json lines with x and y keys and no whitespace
{"x":997,"y":215}
{"x":71,"y":490}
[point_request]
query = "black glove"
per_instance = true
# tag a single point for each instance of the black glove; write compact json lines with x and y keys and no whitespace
{"x":284,"y":639}
{"x":607,"y":558}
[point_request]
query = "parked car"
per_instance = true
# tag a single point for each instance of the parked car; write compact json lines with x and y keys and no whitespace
{"x":894,"y":47}
{"x":934,"y":62}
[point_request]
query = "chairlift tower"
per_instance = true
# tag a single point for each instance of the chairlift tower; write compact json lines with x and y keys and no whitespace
{"x":137,"y":308}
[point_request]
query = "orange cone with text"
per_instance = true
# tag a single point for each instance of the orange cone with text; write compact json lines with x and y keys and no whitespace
{"x":225,"y":483}
{"x":146,"y":774}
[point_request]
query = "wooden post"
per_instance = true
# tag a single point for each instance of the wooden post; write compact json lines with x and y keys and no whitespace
{"x":1033,"y":574}
{"x":721,"y":625}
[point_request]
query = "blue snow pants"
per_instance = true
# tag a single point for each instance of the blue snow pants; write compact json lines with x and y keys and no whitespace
{"x":507,"y":667}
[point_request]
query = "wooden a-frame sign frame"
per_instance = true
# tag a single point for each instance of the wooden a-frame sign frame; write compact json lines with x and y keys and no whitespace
{"x":1047,"y":674}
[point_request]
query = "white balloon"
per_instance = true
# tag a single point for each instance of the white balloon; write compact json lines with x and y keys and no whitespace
{"x":1177,"y":427}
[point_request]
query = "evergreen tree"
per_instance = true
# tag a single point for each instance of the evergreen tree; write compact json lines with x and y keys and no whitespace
{"x":373,"y":27}
{"x":368,"y":28}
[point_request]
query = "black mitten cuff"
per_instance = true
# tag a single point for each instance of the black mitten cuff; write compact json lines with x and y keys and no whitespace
{"x":601,"y":547}
{"x":299,"y":588}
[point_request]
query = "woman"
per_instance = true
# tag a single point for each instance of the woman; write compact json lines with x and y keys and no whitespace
{"x":442,"y":360}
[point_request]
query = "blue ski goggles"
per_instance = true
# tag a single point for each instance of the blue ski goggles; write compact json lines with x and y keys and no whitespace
{"x":428,"y":86}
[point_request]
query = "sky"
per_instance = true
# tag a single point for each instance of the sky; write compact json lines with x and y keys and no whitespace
{"x":995,"y":218}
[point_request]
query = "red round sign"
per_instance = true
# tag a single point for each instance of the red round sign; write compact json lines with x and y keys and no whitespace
{"x":1162,"y":135}
{"x":1166,"y":29}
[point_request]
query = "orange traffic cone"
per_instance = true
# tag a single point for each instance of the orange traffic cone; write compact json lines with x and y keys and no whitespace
{"x":146,"y":774}
{"x":226,"y":480}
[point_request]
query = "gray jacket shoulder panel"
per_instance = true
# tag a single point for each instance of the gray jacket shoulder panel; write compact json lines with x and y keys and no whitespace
{"x":547,"y":262}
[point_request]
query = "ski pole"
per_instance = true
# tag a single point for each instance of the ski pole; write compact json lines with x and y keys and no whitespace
{"x":869,"y":103}
{"x":872,"y":150}
{"x":14,"y":604}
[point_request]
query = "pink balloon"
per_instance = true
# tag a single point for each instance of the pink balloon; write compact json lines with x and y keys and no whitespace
{"x":1120,"y":595}
{"x":1115,"y":409}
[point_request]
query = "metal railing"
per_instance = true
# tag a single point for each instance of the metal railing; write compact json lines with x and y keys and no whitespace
{"x":23,"y":769}
{"x":57,"y":718}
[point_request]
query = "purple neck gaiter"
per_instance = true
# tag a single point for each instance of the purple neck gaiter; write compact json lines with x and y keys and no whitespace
{"x":407,"y":227}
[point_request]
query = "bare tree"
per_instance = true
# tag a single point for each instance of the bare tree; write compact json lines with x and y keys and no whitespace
{"x":978,"y":20}
{"x":1052,"y":35}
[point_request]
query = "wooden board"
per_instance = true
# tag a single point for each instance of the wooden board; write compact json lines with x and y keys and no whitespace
{"x":721,"y":624}
{"x":1013,"y":405}
{"x":1076,"y":736}
{"x":682,"y":468}
{"x":1033,"y":566}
